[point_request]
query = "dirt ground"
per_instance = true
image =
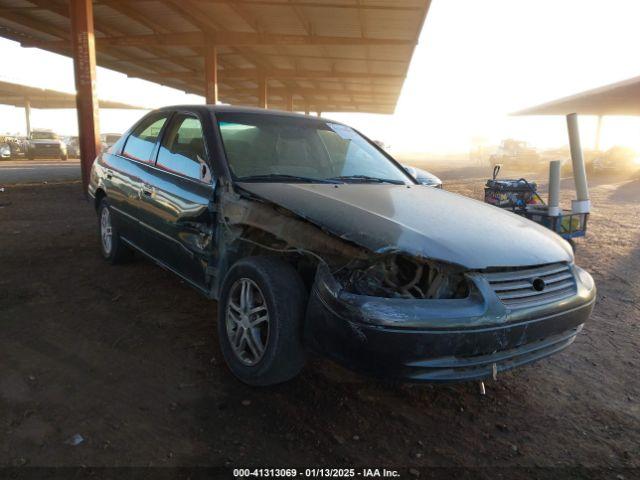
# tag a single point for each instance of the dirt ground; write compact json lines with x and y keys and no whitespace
{"x":128,"y":358}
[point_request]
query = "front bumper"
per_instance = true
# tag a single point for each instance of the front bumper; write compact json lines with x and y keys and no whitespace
{"x":46,"y":151}
{"x":439,"y":340}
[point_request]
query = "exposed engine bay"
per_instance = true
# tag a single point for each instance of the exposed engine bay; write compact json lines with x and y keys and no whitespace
{"x":399,"y":276}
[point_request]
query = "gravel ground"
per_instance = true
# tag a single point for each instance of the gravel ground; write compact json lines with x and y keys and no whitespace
{"x":127,"y":358}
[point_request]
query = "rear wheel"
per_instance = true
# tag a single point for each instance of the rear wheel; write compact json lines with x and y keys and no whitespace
{"x":111,"y":246}
{"x":260,"y":316}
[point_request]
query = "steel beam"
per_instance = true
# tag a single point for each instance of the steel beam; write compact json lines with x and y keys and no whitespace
{"x":233,"y":39}
{"x":27,"y":114}
{"x":312,"y":4}
{"x":211,"y":74}
{"x":242,"y":53}
{"x":309,"y":92}
{"x":262,"y":92}
{"x":84,"y":64}
{"x":288,"y":101}
{"x":252,"y":73}
{"x":598,"y":132}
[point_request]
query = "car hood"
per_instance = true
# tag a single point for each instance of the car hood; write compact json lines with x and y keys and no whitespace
{"x":419,"y":221}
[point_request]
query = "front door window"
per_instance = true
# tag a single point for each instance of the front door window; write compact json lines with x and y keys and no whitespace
{"x":182,"y":150}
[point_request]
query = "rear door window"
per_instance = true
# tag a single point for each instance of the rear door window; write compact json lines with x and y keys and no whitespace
{"x":182,"y":150}
{"x":141,"y":142}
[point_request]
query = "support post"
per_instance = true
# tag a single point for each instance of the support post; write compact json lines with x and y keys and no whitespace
{"x":211,"y":74}
{"x":288,"y":100}
{"x":553,"y":202}
{"x":306,"y":109}
{"x":84,"y":64}
{"x":598,"y":133}
{"x":319,"y":113}
{"x":582,"y":203}
{"x":27,"y":115}
{"x":262,"y":92}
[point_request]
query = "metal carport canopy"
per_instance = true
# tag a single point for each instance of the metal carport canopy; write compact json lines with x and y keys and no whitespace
{"x":33,"y":97}
{"x":333,"y":55}
{"x":21,"y":95}
{"x":325,"y":55}
{"x":621,"y":98}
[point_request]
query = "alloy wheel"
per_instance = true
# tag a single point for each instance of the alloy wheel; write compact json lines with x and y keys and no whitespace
{"x":247,"y":321}
{"x":106,"y":231}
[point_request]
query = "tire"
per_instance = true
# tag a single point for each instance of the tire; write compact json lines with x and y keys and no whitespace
{"x":114,"y":251}
{"x":281,"y":290}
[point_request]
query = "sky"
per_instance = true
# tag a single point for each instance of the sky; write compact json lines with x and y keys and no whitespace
{"x":476,"y":62}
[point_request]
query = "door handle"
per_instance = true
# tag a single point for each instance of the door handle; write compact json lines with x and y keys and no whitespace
{"x":147,"y":190}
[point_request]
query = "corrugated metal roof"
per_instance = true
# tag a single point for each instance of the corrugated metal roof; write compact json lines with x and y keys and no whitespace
{"x":16,"y":95}
{"x":332,"y":55}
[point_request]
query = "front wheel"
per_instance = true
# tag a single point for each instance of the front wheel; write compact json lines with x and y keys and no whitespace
{"x":260,"y":317}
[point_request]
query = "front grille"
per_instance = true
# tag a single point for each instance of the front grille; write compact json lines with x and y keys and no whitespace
{"x":515,"y":288}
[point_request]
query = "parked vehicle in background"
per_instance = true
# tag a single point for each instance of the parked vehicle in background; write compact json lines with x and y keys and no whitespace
{"x":46,"y":144}
{"x":12,"y":147}
{"x":311,"y":237}
{"x":5,"y":149}
{"x":381,"y":144}
{"x":515,"y":153}
{"x":109,"y":139}
{"x":423,"y":177}
{"x":19,"y":147}
{"x":73,"y":146}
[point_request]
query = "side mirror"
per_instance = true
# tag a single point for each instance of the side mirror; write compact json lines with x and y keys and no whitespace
{"x":410,"y":170}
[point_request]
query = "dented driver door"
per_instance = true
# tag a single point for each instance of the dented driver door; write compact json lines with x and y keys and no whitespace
{"x":177,"y":199}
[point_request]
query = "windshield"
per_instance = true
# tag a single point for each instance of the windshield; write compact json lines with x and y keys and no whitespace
{"x":43,"y":136}
{"x":279,"y":148}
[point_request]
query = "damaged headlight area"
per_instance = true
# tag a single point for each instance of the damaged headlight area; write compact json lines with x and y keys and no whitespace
{"x":401,"y":276}
{"x":358,"y":271}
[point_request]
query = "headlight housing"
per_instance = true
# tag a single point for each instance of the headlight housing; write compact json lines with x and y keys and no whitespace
{"x":585,"y":278}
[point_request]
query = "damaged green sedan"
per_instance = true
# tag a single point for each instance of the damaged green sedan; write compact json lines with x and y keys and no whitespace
{"x":312,"y":238}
